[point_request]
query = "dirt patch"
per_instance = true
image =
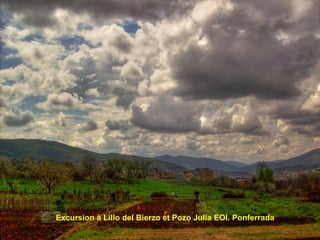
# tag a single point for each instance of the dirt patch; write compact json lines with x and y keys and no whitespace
{"x":292,"y":232}
{"x":162,"y":207}
{"x":26,"y":224}
{"x":88,"y":211}
{"x":158,"y":208}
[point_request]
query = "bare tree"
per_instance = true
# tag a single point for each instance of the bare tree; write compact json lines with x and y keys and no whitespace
{"x":51,"y":174}
{"x":89,"y":165}
{"x":145,"y":167}
{"x":115,"y":168}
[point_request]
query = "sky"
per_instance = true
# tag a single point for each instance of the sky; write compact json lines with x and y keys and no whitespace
{"x":227,"y":79}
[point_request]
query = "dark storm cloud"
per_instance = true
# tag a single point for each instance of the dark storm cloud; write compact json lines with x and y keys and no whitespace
{"x":37,"y":12}
{"x":305,"y":123}
{"x":307,"y":130}
{"x":18,"y":119}
{"x":167,"y":115}
{"x":235,"y":117}
{"x":298,"y":17}
{"x":100,"y":75}
{"x":122,"y":43}
{"x":245,"y":56}
{"x":85,"y":72}
{"x":300,"y":121}
{"x":305,"y":119}
{"x":89,"y":125}
{"x":125,"y":97}
{"x":122,"y":125}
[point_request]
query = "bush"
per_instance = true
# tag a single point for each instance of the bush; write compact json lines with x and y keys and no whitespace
{"x":263,"y":187}
{"x":60,"y":205}
{"x":314,"y":195}
{"x":158,"y":195}
{"x":233,"y":195}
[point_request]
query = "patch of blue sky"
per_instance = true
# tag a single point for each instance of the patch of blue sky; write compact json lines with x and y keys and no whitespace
{"x":73,"y":42}
{"x":10,"y":62}
{"x":76,"y":113}
{"x":5,"y":17}
{"x":34,"y":37}
{"x":84,"y":27}
{"x":131,"y":27}
{"x":92,"y":99}
{"x":9,"y":82}
{"x":29,"y":104}
{"x":5,"y":50}
{"x":8,"y":58}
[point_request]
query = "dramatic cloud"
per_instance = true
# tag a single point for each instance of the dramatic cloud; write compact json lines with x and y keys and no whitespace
{"x":57,"y":101}
{"x":294,"y":117}
{"x":230,"y":79}
{"x":236,"y":71}
{"x":40,"y":13}
{"x":192,"y":143}
{"x":167,"y":115}
{"x":132,"y":73}
{"x":237,"y":52}
{"x":18,"y":118}
{"x":125,"y":96}
{"x":122,"y":125}
{"x":280,"y":141}
{"x":89,"y":125}
{"x":259,"y":150}
{"x":237,"y":118}
{"x":313,"y":102}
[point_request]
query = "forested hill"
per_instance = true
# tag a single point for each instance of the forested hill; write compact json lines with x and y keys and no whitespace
{"x":40,"y":149}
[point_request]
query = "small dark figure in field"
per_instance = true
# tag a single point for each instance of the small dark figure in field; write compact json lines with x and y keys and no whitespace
{"x":196,"y":197}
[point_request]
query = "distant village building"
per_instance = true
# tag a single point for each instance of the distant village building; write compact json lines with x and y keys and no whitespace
{"x":187,"y":175}
{"x":162,"y":174}
{"x":243,"y":181}
{"x":200,"y":174}
{"x":204,"y":174}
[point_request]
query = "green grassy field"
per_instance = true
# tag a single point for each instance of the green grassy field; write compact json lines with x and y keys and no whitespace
{"x":210,"y":197}
{"x":283,"y":232}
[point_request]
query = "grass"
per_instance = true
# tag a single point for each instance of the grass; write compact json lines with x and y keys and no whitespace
{"x":211,"y":203}
{"x":266,"y":205}
{"x":211,"y":197}
{"x":89,"y":234}
{"x":142,"y":188}
{"x":221,"y":233}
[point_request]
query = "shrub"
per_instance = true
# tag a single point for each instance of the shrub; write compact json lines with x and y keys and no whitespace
{"x":233,"y":195}
{"x":158,"y":195}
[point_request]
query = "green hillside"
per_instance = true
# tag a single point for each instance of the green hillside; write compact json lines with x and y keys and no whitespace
{"x":41,"y":149}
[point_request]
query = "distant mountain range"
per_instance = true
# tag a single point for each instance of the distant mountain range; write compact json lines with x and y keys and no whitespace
{"x":192,"y":163}
{"x":41,"y":149}
{"x":306,"y":161}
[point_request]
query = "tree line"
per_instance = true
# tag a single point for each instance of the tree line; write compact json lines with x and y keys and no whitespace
{"x":51,"y":173}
